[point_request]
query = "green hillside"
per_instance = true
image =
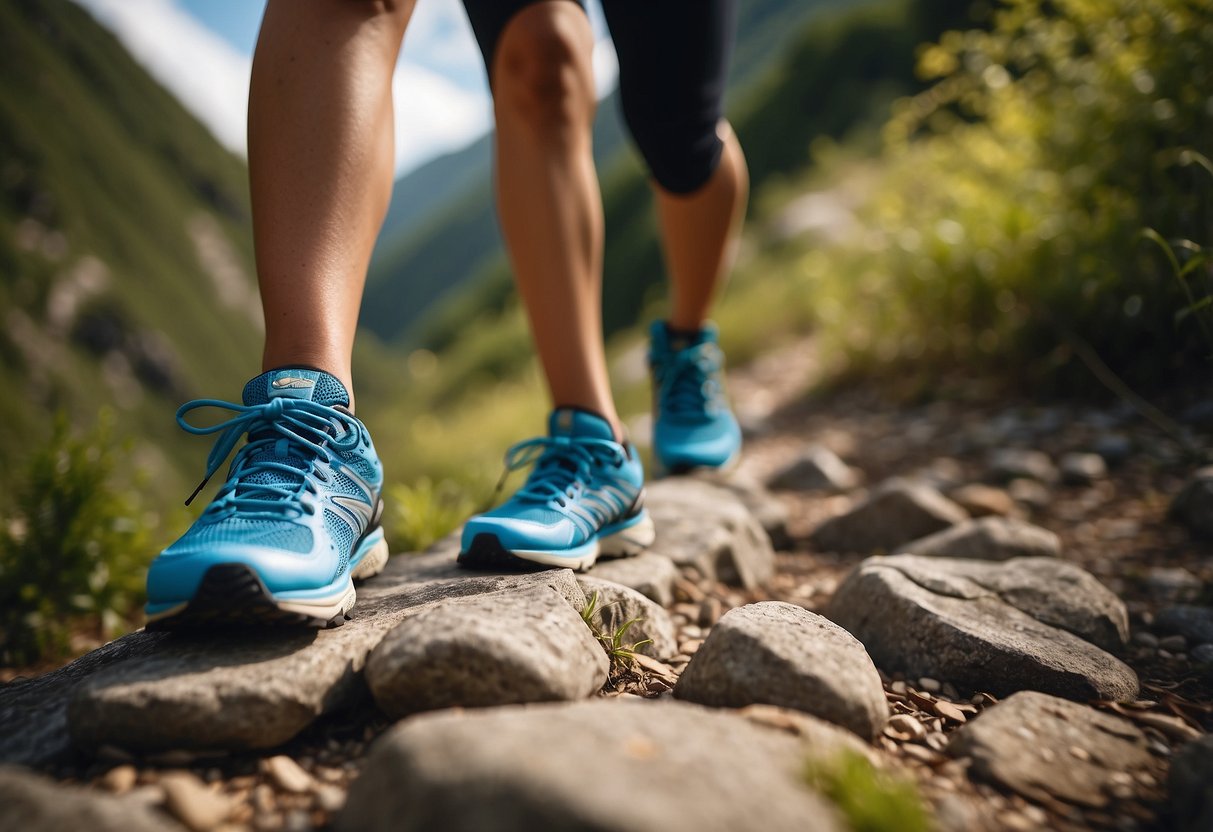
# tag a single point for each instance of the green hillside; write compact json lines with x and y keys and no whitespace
{"x":125,"y":257}
{"x":421,"y":260}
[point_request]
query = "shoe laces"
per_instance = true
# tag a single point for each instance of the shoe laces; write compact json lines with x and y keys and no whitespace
{"x":688,"y":380}
{"x":278,"y":429}
{"x":563,"y":465}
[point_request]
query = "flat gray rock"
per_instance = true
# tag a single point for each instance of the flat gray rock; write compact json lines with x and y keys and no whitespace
{"x":895,"y":513}
{"x":1023,"y":624}
{"x":774,"y":653}
{"x":1193,"y":505}
{"x":989,"y":538}
{"x":815,"y":468}
{"x":204,"y":692}
{"x":708,"y":527}
{"x":499,"y":649}
{"x":1043,"y":747}
{"x":599,"y":765}
{"x":617,"y":604}
{"x":1190,"y":785}
{"x":31,"y":802}
{"x":649,"y":574}
{"x":1009,"y":464}
{"x":33,"y":712}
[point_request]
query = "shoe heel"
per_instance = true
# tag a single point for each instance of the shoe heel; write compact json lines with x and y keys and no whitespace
{"x":374,"y":556}
{"x":629,"y":541}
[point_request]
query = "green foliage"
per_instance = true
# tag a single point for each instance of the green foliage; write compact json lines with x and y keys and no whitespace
{"x":869,"y":800}
{"x":613,"y":642}
{"x":1005,"y":233}
{"x":73,"y":552}
{"x":427,"y":510}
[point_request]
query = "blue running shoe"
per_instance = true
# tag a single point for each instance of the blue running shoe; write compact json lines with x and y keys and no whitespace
{"x":692,"y":424}
{"x":584,"y":498}
{"x":296,"y":521}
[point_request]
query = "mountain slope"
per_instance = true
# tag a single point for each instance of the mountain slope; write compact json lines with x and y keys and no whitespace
{"x":125,"y":260}
{"x":421,"y":262}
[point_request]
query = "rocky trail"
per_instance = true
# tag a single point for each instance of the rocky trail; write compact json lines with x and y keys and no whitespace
{"x":1009,"y":606}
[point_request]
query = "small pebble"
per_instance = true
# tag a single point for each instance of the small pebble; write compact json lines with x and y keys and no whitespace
{"x":709,"y":612}
{"x":288,"y":775}
{"x":297,"y":821}
{"x":120,"y":779}
{"x":1145,"y":639}
{"x":929,"y":685}
{"x":904,"y":726}
{"x":330,"y":798}
{"x":192,"y":803}
{"x":1173,"y":644}
{"x":263,"y":798}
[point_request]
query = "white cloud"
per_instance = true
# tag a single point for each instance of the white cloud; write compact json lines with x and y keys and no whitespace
{"x":433,"y":114}
{"x":439,"y":90}
{"x":206,"y":73}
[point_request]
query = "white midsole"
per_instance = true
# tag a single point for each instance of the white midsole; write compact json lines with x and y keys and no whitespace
{"x":325,"y":608}
{"x":372,"y":562}
{"x":623,"y":543}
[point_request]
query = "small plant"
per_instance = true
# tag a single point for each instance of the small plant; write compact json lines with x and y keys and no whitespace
{"x":869,"y":800}
{"x":612,"y":642}
{"x":72,"y":553}
{"x":425,"y":511}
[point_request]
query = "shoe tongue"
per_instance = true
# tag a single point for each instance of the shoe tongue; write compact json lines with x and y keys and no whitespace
{"x":296,"y":383}
{"x":569,"y":421}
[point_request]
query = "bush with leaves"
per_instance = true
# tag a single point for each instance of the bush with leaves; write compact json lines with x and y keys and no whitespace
{"x":1008,"y":230}
{"x":73,"y":549}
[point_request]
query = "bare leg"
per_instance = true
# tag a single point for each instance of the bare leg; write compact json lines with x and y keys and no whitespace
{"x":548,"y":200}
{"x":700,"y":232}
{"x":320,"y":169}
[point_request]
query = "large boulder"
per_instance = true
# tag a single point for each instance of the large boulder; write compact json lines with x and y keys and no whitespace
{"x":497,"y":649}
{"x":1026,"y":623}
{"x":597,"y":765}
{"x":201,"y":691}
{"x":774,"y":653}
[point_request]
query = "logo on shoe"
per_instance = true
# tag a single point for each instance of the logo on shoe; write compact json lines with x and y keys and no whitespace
{"x":292,"y":383}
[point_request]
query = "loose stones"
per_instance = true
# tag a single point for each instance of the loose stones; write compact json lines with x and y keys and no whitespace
{"x":989,"y":538}
{"x":897,"y":512}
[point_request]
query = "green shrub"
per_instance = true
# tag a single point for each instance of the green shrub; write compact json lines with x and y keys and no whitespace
{"x":869,"y":800}
{"x":73,"y":552}
{"x":425,"y":511}
{"x":1006,"y":233}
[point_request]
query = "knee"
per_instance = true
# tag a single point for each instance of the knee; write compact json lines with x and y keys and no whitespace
{"x":542,"y":72}
{"x":680,"y":146}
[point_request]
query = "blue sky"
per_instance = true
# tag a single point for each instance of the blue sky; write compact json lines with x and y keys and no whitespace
{"x":201,"y":50}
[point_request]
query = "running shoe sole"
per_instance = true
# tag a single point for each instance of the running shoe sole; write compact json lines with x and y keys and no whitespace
{"x":233,"y":595}
{"x":626,"y":538}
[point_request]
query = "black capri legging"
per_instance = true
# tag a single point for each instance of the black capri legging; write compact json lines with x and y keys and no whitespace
{"x":673,"y":63}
